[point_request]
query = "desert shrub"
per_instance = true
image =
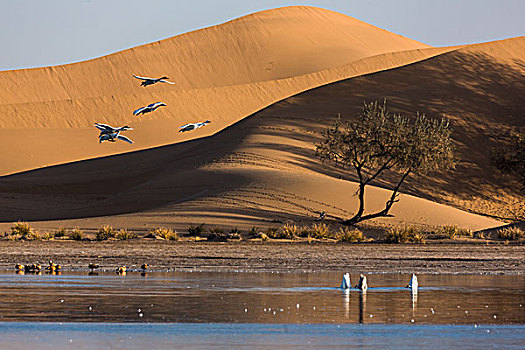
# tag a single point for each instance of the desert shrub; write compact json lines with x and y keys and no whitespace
{"x":416,"y":236}
{"x":351,"y":236}
{"x":106,"y":232}
{"x":319,"y":231}
{"x":479,"y":235}
{"x":273,"y":232}
{"x":46,"y":236}
{"x":76,"y":234}
{"x":405,"y":234}
{"x":397,"y":235}
{"x":509,"y":155}
{"x":34,"y":236}
{"x":453,"y":232}
{"x":254,"y":232}
{"x":303,"y":231}
{"x":196,"y":230}
{"x":22,"y":229}
{"x":165,"y":233}
{"x":289,"y":231}
{"x":61,"y":232}
{"x":124,"y":235}
{"x":234,"y":234}
{"x":510,"y":233}
{"x":217,"y":234}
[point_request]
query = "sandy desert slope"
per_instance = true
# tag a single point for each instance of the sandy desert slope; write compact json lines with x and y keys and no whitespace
{"x":251,"y":167}
{"x":223,"y":73}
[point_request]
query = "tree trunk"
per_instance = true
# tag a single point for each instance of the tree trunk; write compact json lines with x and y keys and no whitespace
{"x":358,"y":217}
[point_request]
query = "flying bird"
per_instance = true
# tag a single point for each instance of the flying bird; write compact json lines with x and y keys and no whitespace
{"x":150,"y":81}
{"x":149,"y":108}
{"x":109,"y":133}
{"x":193,"y":126}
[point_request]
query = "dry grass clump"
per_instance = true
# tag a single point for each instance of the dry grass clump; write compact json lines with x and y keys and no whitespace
{"x":76,"y":234}
{"x":454,"y":232}
{"x":165,"y":233}
{"x":350,"y":236}
{"x":106,"y":232}
{"x":124,"y":234}
{"x":510,"y":233}
{"x":274,"y":233}
{"x":22,"y":230}
{"x":289,"y":231}
{"x":61,"y":232}
{"x":256,"y":233}
{"x":235,"y":234}
{"x":46,"y":236}
{"x":217,"y":234}
{"x":405,"y":234}
{"x":196,"y":230}
{"x":319,"y":231}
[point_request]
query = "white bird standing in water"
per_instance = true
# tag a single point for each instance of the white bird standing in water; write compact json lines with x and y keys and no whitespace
{"x":362,"y":285}
{"x":109,"y":133}
{"x":346,"y":284}
{"x":193,"y":126}
{"x":150,"y":81}
{"x":149,"y":108}
{"x":413,"y":284}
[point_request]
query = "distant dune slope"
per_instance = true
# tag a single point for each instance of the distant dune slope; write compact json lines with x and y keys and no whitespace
{"x":261,"y":168}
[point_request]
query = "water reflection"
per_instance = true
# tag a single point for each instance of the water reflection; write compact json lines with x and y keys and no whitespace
{"x":259,"y":298}
{"x":362,"y":304}
{"x":414,"y":301}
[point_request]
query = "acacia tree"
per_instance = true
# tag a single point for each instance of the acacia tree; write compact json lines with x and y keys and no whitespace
{"x":377,"y":141}
{"x":509,"y":156}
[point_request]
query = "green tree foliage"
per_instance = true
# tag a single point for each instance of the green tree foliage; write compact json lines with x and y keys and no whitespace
{"x":509,"y":156}
{"x":377,"y":141}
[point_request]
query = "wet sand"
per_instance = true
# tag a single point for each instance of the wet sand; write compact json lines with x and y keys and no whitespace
{"x":270,"y":256}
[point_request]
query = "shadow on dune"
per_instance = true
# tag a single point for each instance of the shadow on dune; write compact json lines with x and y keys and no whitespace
{"x":117,"y":184}
{"x":481,"y":96}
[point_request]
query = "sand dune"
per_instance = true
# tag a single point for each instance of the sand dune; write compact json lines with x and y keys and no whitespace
{"x":221,"y":73}
{"x":249,"y":171}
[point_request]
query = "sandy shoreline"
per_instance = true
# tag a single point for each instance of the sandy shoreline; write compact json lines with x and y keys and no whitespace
{"x":282,"y":257}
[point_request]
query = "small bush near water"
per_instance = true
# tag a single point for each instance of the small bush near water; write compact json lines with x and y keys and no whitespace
{"x":234,"y":234}
{"x":61,"y":232}
{"x":405,"y":234}
{"x":165,"y":233}
{"x":350,"y":236}
{"x":105,"y":233}
{"x":453,"y":232}
{"x":319,"y":231}
{"x":289,"y":231}
{"x":124,"y":235}
{"x":22,"y":230}
{"x":217,"y":234}
{"x":76,"y":235}
{"x":510,"y":233}
{"x":196,"y":230}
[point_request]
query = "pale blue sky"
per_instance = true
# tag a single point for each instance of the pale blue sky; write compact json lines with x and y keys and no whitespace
{"x":39,"y":33}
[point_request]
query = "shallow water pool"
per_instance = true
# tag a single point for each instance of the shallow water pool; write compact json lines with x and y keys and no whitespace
{"x":287,"y":310}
